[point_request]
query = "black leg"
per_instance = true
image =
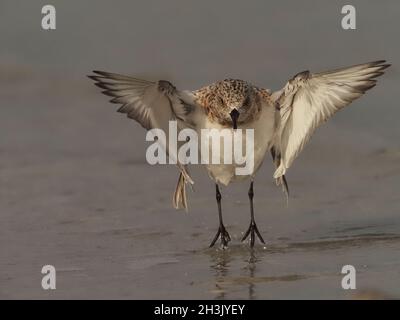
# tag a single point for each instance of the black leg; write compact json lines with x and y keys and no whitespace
{"x":222,"y":233}
{"x":252,"y":230}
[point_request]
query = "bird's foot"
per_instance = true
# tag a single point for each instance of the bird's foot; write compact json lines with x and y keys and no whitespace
{"x":252,"y":231}
{"x":224,"y":235}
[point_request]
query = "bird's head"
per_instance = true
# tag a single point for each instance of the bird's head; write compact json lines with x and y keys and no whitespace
{"x":236,"y":99}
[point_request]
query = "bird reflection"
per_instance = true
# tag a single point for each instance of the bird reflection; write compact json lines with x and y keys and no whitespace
{"x":225,"y":277}
{"x":220,"y":260}
{"x":250,"y":270}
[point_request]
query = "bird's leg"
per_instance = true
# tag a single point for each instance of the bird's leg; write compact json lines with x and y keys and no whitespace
{"x":252,"y":230}
{"x":222,"y":233}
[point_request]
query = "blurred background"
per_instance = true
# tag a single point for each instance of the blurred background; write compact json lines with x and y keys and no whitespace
{"x":77,"y":193}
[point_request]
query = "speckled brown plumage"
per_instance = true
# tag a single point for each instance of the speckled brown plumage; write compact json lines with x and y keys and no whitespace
{"x":219,"y":98}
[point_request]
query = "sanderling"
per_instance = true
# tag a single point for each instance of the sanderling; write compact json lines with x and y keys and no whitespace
{"x":283,"y":121}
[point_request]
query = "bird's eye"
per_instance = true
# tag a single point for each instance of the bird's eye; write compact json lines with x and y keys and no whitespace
{"x":246,"y":101}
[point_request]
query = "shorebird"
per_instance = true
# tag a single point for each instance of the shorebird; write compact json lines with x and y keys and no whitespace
{"x":283,"y":121}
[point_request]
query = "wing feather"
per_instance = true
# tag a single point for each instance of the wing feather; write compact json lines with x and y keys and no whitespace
{"x":308,"y":100}
{"x":153,"y":105}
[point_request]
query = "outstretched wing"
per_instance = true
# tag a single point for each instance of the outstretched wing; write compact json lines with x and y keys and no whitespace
{"x":308,"y":100}
{"x":152,"y":104}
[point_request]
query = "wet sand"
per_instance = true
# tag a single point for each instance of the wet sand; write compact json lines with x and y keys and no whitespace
{"x":77,"y":193}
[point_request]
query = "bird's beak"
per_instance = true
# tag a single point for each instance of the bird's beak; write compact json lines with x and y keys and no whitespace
{"x":234,"y":116}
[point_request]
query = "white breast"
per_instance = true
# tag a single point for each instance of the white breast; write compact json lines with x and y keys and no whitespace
{"x":263,"y":133}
